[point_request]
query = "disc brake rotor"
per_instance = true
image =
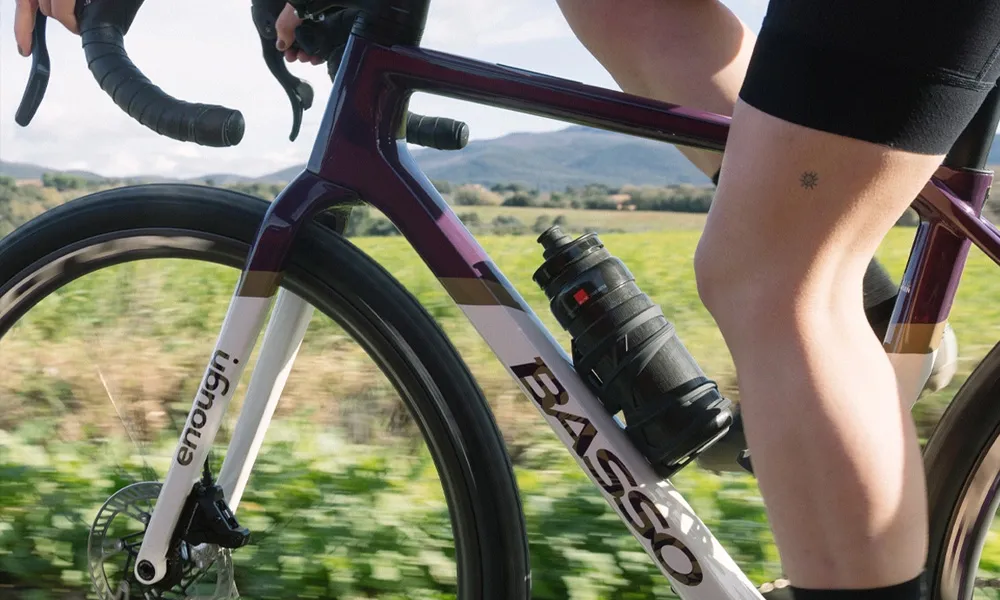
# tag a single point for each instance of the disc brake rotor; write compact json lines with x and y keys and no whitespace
{"x":206,"y":571}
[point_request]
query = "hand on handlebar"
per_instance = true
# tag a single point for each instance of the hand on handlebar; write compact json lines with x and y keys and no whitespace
{"x":285,"y":28}
{"x":63,"y":11}
{"x":103,"y":25}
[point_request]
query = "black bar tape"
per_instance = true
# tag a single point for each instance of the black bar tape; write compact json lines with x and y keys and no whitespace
{"x":134,"y":93}
{"x":436,"y":132}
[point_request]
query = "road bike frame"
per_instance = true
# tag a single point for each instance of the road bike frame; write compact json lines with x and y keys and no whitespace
{"x":358,"y":155}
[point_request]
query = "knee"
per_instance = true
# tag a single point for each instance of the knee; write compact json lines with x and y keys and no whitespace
{"x":747,"y":289}
{"x":718,"y":276}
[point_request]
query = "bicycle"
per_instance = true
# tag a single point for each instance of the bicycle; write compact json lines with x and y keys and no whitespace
{"x":292,"y":250}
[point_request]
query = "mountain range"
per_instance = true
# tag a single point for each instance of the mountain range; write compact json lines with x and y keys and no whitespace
{"x":551,"y":160}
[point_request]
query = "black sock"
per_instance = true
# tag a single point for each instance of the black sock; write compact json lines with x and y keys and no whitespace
{"x":913,"y":589}
{"x":880,"y":291}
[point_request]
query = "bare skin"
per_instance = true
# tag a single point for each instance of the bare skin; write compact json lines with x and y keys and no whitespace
{"x":848,"y":505}
{"x":24,"y":19}
{"x":689,"y":52}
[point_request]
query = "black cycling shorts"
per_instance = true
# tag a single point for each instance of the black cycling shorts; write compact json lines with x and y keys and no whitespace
{"x":908,"y":74}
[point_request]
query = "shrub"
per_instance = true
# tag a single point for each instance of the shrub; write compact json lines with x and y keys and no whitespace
{"x":475,"y":195}
{"x":366,"y":525}
{"x":521,"y":199}
{"x":599,"y":203}
{"x":264,"y":191}
{"x":542,"y":223}
{"x":515,"y":188}
{"x":470,"y":219}
{"x":63,"y":182}
{"x":908,"y":219}
{"x":508,"y":225}
{"x":443,"y":187}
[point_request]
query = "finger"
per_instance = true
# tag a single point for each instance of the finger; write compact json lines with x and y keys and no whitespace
{"x":24,"y":24}
{"x":64,"y":11}
{"x":291,"y":55}
{"x":285,"y":27}
{"x":303,"y":57}
{"x":45,"y":6}
{"x":315,"y":60}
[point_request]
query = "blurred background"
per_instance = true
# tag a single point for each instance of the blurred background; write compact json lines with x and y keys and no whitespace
{"x":344,"y":500}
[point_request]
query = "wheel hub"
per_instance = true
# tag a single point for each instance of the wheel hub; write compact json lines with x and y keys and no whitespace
{"x":195,"y":572}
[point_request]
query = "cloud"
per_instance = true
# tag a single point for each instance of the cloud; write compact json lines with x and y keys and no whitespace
{"x":466,"y":26}
{"x":209,"y":52}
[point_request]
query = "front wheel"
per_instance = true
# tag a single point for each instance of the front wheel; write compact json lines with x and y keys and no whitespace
{"x":383,"y":472}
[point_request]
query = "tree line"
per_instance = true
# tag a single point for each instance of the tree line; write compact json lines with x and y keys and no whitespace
{"x":681,"y":197}
{"x":21,"y":202}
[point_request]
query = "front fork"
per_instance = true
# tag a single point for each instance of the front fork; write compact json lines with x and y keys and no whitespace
{"x":243,"y":323}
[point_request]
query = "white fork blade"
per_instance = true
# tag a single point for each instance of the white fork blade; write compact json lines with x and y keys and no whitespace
{"x":282,"y":340}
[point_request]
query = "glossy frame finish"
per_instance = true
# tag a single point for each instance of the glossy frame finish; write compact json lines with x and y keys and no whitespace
{"x":358,"y":156}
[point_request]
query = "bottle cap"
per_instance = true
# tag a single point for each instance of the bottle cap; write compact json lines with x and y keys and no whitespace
{"x":560,"y":252}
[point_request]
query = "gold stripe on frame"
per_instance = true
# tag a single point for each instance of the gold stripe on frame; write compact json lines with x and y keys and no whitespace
{"x":914,"y":338}
{"x":477,"y":292}
{"x":259,"y":284}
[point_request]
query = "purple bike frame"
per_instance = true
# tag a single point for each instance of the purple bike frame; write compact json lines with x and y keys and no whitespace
{"x":358,"y":155}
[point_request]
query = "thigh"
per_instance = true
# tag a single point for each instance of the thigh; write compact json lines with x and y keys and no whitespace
{"x":906,"y":74}
{"x":846,"y":111}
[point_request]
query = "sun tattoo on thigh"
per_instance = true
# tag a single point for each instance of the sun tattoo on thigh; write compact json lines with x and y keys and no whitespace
{"x":809,"y":180}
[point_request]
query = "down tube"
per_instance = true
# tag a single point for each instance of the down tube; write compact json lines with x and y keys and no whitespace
{"x":243,"y":322}
{"x":655,"y":512}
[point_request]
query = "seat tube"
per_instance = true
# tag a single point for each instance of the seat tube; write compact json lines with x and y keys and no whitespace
{"x":932,"y":275}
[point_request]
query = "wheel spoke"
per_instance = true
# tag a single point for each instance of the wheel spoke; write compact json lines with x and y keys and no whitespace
{"x":128,"y":430}
{"x":106,"y":338}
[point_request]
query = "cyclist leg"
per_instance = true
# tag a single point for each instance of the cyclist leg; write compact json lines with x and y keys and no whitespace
{"x":847,"y":109}
{"x":696,"y":53}
{"x":689,"y":52}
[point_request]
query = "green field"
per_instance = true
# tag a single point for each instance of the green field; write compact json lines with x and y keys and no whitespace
{"x":661,"y":263}
{"x":332,"y":471}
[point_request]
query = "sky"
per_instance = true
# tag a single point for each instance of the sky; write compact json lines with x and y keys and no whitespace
{"x":208,"y":51}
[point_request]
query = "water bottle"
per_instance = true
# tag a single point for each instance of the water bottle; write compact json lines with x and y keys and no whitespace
{"x":628,"y":353}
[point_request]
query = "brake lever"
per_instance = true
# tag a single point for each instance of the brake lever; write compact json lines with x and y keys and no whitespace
{"x":38,"y":80}
{"x":300,"y":93}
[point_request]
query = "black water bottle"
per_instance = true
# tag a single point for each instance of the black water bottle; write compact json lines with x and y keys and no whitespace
{"x":628,"y":353}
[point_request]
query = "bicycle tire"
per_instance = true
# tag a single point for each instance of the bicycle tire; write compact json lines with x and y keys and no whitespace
{"x":961,"y":454}
{"x":324,"y":268}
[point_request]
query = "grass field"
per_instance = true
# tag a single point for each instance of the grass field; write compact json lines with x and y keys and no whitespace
{"x":165,"y":315}
{"x":661,"y":262}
